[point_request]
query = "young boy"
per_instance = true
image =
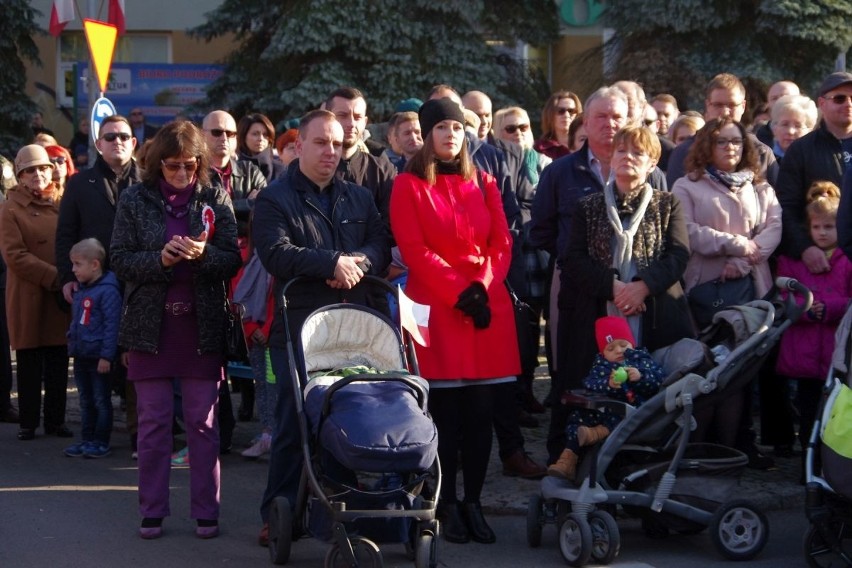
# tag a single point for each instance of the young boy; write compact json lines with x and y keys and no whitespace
{"x":622,"y":373}
{"x":93,"y":342}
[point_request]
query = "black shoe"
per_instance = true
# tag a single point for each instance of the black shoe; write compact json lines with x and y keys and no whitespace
{"x":479,"y":529}
{"x":26,"y":434}
{"x":453,"y":525}
{"x":60,"y":431}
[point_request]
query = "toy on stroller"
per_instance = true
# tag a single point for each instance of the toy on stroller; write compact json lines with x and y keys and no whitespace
{"x":652,"y":467}
{"x":371,"y":471}
{"x":828,"y":463}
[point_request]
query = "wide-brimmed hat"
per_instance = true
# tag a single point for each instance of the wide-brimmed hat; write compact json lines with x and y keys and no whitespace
{"x":31,"y":155}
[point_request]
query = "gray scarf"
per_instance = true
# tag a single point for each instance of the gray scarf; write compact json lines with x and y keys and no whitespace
{"x":622,"y":254}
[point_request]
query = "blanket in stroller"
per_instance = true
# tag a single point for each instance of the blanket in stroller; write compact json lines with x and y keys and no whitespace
{"x":379,"y":424}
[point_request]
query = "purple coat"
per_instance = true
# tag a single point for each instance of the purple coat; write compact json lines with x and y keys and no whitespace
{"x":806,"y":347}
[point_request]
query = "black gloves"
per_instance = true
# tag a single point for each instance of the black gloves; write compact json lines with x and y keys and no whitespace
{"x":473,"y":301}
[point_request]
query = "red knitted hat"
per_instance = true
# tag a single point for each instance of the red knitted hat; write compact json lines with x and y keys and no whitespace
{"x":610,"y":328}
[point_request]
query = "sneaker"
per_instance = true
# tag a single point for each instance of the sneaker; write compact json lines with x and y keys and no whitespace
{"x":260,"y":447}
{"x":76,"y":450}
{"x":181,"y":458}
{"x":96,"y":450}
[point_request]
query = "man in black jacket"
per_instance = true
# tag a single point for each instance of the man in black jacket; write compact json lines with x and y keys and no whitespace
{"x":313,"y":225}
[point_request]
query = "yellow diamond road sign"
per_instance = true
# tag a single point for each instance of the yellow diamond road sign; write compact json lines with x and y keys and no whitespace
{"x":101,"y":38}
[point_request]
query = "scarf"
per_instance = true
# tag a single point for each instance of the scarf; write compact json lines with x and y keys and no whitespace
{"x":732,"y":180}
{"x":175,"y":199}
{"x":531,"y":165}
{"x":633,"y":204}
{"x":449,"y":167}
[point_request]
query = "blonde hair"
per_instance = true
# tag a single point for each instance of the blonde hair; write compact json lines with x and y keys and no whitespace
{"x":823,"y":200}
{"x":90,"y":249}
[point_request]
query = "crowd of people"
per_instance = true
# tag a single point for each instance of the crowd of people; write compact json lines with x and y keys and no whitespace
{"x":610,"y":227}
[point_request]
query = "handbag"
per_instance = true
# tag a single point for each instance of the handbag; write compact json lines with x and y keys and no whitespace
{"x":715,"y":295}
{"x":236,"y":348}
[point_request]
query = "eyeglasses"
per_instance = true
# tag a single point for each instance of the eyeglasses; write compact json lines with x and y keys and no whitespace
{"x":217,"y":132}
{"x":569,"y":111}
{"x":839,"y":99}
{"x":58,"y":160}
{"x":34,"y":169}
{"x":729,"y":106}
{"x":723,"y":142}
{"x":111,"y":136}
{"x":190,"y":167}
{"x":512,"y":128}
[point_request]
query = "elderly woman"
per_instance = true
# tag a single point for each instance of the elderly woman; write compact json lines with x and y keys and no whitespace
{"x":175,"y":246}
{"x":556,"y":116}
{"x":452,"y":233}
{"x":627,"y":253}
{"x":63,"y":167}
{"x":255,"y":141}
{"x":37,"y":325}
{"x":793,"y":116}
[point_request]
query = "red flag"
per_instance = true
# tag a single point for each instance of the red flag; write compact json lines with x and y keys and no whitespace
{"x":61,"y":13}
{"x":115,"y":15}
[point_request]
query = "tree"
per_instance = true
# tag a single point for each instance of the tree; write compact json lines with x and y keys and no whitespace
{"x":676,"y":46}
{"x":16,"y":44}
{"x":292,"y":53}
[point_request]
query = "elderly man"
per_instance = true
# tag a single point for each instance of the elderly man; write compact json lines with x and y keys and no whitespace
{"x":298,"y":231}
{"x":480,"y":104}
{"x":404,"y":137}
{"x":776,"y":91}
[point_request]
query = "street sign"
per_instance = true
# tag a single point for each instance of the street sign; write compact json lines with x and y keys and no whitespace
{"x":101,"y":38}
{"x":100,"y":110}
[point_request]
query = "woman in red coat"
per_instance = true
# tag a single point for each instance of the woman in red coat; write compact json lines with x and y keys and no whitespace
{"x":453,"y":236}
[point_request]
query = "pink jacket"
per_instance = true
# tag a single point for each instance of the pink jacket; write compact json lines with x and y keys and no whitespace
{"x":720,"y":224}
{"x":807,"y":345}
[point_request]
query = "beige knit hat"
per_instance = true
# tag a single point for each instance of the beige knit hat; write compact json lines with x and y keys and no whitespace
{"x":29,"y":156}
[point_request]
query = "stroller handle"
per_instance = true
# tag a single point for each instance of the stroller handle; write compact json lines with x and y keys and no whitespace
{"x":368,"y":279}
{"x":793,"y":308}
{"x":337,"y":385}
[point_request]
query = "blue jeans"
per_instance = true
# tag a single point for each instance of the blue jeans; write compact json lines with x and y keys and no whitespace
{"x":95,"y":390}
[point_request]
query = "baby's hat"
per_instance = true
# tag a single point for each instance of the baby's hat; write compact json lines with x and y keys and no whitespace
{"x":610,"y":328}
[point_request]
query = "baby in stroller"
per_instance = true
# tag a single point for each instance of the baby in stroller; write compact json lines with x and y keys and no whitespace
{"x":621,"y":372}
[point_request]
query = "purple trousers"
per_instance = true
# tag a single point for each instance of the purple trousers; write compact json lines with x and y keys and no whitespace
{"x":155,"y":406}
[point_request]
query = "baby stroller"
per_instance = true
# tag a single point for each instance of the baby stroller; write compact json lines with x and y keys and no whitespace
{"x":650,"y":465}
{"x":371,"y":472}
{"x":828,"y":482}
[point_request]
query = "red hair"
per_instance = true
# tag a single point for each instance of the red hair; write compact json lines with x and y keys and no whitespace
{"x":57,"y":151}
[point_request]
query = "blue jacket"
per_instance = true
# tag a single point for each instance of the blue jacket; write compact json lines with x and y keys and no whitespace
{"x":633,"y":392}
{"x":95,"y":315}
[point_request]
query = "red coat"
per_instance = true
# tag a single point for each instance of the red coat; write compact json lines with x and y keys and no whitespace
{"x":449,"y":237}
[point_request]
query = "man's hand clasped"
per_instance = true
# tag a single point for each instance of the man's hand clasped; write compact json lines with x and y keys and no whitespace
{"x":347,"y":273}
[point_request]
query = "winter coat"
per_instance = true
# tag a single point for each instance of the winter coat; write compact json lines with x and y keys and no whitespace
{"x":807,"y":345}
{"x":634,"y":392}
{"x":721,"y":223}
{"x":95,"y":316}
{"x":87,"y":210}
{"x":660,"y":254}
{"x":293,"y":237}
{"x":374,"y":173}
{"x":245,"y":178}
{"x":137,"y":243}
{"x":27,"y":233}
{"x":551,"y":148}
{"x":451,"y":235}
{"x":269,"y":165}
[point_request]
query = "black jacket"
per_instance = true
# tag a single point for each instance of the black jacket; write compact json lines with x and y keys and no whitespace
{"x":245,"y":178}
{"x":87,"y":209}
{"x":374,"y":173}
{"x":270,"y":166}
{"x":137,"y":242}
{"x":815,"y":156}
{"x":294,"y":237}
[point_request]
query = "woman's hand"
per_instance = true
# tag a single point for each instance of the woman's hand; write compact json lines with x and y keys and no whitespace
{"x":183,"y":248}
{"x":629,"y":297}
{"x":730,"y":272}
{"x":753,"y":254}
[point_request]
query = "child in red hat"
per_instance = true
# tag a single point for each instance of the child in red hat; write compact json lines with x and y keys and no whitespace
{"x":621,"y":372}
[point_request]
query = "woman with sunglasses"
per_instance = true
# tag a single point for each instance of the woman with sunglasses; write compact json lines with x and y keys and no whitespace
{"x":556,"y":116}
{"x":175,"y":245}
{"x":255,"y":141}
{"x":37,"y":324}
{"x":63,"y":167}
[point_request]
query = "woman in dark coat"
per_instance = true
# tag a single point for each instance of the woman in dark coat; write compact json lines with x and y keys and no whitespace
{"x":255,"y":142}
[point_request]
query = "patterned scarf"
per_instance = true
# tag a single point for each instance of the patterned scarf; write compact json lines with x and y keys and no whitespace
{"x":633,"y":204}
{"x":732,"y":180}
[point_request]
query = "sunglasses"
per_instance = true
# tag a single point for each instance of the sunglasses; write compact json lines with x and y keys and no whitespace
{"x":512,"y":128}
{"x":34,"y":169}
{"x":58,"y":160}
{"x":111,"y":136}
{"x":839,"y":99}
{"x":190,"y":167}
{"x":563,"y":110}
{"x":217,"y":132}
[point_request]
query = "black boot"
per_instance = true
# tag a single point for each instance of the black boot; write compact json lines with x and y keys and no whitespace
{"x":479,"y":529}
{"x":453,"y":527}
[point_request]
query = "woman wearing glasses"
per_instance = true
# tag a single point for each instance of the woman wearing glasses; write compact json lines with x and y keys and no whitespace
{"x":556,"y":116}
{"x":63,"y":167}
{"x":37,"y":325}
{"x":174,"y":245}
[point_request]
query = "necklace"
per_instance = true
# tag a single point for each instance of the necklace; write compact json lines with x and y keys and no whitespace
{"x":177,"y":212}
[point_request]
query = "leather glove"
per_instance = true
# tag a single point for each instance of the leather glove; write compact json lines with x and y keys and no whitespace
{"x":482,"y":318}
{"x":472,"y":298}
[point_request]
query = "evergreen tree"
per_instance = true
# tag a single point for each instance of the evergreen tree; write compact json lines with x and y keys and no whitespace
{"x":16,"y":44}
{"x":290,"y":54}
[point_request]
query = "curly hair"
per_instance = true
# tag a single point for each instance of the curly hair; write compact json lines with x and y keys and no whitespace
{"x":701,"y":153}
{"x":823,"y":200}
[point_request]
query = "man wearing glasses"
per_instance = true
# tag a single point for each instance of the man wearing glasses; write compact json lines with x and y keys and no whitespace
{"x":725,"y":96}
{"x":815,"y":156}
{"x":87,"y":209}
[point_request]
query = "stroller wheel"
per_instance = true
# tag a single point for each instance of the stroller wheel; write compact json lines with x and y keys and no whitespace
{"x":739,"y":530}
{"x":366,"y":553}
{"x":535,"y":519}
{"x":426,"y":551}
{"x":575,"y":540}
{"x":831,"y":546}
{"x":606,"y":539}
{"x":280,"y":530}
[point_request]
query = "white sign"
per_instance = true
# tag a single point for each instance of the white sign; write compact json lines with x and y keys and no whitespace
{"x":102,"y":108}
